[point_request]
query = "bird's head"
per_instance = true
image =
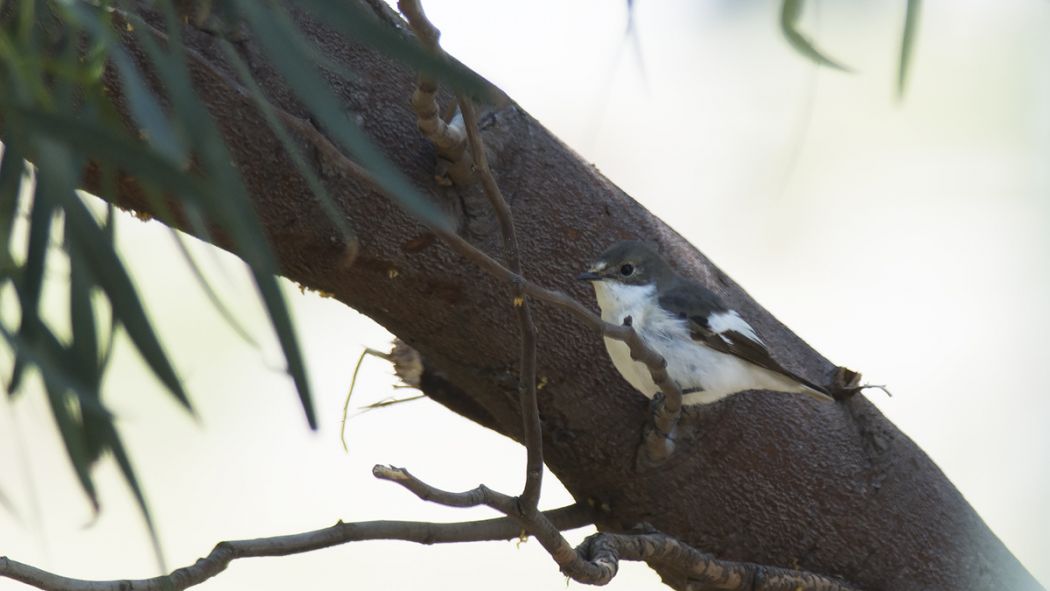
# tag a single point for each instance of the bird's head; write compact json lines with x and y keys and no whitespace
{"x":629,"y":262}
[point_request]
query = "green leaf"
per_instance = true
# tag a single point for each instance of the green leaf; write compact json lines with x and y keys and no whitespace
{"x":56,"y":174}
{"x":147,"y":112}
{"x":911,"y":26}
{"x":334,"y":213}
{"x":72,"y":434}
{"x":109,"y":146}
{"x":12,"y":168}
{"x":355,"y":22}
{"x":790,"y":15}
{"x":113,"y":278}
{"x":206,"y":287}
{"x":47,"y":354}
{"x":233,"y":210}
{"x":31,"y":280}
{"x":84,"y":353}
{"x":284,"y":46}
{"x":282,"y":325}
{"x":124,"y":462}
{"x":82,"y":319}
{"x":144,"y":108}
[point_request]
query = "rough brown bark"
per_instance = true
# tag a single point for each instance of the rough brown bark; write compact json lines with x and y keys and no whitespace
{"x":834,"y":489}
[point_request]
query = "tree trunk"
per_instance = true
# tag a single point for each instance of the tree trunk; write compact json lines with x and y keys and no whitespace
{"x":782,"y":480}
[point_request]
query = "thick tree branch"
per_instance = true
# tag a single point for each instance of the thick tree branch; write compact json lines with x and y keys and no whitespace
{"x":504,"y":528}
{"x":755,"y":478}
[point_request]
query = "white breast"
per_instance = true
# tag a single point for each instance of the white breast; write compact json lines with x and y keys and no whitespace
{"x":618,"y":302}
{"x":690,"y":364}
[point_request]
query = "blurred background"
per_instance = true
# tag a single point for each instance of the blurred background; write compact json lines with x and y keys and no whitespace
{"x":907,"y":239}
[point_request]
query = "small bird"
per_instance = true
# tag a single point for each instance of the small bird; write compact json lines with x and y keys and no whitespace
{"x":710,"y":350}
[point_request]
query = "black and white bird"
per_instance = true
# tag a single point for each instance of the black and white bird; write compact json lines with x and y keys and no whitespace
{"x":711,"y":351}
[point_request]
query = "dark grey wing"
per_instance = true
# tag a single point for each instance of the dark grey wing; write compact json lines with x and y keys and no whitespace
{"x":697,"y":304}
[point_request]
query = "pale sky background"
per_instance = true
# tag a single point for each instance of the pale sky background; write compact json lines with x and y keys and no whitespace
{"x":909,"y":241}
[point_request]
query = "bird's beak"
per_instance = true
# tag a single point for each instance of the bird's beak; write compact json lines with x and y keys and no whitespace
{"x":588,"y":276}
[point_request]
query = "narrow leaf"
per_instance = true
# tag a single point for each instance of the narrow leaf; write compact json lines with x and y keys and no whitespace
{"x":355,"y":22}
{"x":113,"y":278}
{"x":270,"y":292}
{"x":911,"y":26}
{"x":790,"y":17}
{"x":124,"y":462}
{"x":206,"y":287}
{"x":144,"y":108}
{"x":147,"y":112}
{"x":83,"y":352}
{"x":31,"y":280}
{"x":233,"y":210}
{"x":12,"y":169}
{"x":284,"y":46}
{"x":108,"y":146}
{"x":72,"y":434}
{"x":335,"y":215}
{"x":82,"y":317}
{"x":48,"y":355}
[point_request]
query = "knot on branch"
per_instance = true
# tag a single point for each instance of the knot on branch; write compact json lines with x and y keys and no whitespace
{"x":408,"y":364}
{"x":683,"y":567}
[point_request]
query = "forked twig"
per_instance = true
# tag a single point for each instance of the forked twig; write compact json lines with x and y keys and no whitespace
{"x":350,"y":391}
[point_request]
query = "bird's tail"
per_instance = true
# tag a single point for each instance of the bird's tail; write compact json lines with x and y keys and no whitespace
{"x":813,"y":392}
{"x":798,"y":385}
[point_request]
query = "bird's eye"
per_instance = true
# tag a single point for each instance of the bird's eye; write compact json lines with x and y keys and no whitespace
{"x":627,"y":270}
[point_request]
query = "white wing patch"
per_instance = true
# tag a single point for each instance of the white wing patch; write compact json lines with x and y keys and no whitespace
{"x":691,"y":364}
{"x":721,"y":322}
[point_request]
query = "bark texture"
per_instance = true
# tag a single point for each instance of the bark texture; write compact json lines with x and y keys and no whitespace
{"x":781,"y":480}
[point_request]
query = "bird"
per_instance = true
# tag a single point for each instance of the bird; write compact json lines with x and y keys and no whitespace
{"x":710,"y":350}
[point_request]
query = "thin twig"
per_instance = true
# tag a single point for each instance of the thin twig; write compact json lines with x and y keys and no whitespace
{"x":531,"y":428}
{"x":532,"y":431}
{"x":350,"y":391}
{"x":537,"y":524}
{"x":596,"y":560}
{"x":658,"y":444}
{"x":503,"y":528}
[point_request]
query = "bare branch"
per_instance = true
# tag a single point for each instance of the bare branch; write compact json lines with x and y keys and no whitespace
{"x":531,"y":427}
{"x":535,"y":523}
{"x":480,"y":495}
{"x":532,"y":431}
{"x":449,"y":140}
{"x":504,"y":528}
{"x":596,"y":560}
